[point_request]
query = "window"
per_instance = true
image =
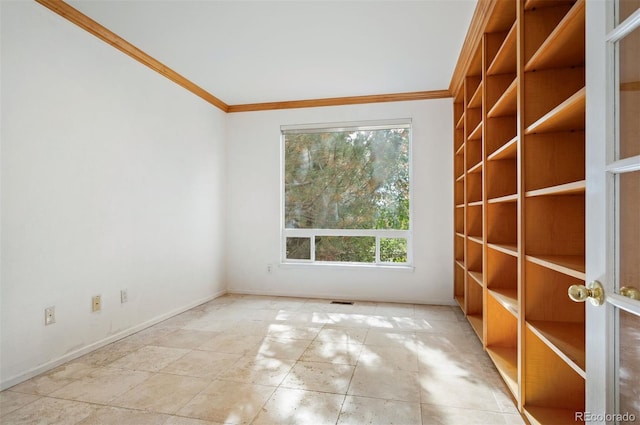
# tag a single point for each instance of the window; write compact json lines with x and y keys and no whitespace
{"x":347,"y":193}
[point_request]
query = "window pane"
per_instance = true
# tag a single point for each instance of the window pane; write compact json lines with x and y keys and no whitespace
{"x":299,"y":248}
{"x":393,"y":250}
{"x":357,"y":179}
{"x":629,"y":369}
{"x":629,"y":95}
{"x":625,"y":8}
{"x":355,"y":249}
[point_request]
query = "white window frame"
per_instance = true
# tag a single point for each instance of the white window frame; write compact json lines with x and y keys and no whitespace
{"x":377,"y":233}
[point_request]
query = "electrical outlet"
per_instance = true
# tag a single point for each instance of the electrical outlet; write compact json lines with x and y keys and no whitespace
{"x":96,"y":303}
{"x":269,"y":268}
{"x":49,"y":316}
{"x":124,"y":297}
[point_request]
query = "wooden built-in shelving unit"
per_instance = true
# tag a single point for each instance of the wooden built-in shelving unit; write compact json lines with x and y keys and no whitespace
{"x":519,"y":173}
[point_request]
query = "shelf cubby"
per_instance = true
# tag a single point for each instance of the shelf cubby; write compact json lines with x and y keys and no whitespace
{"x":565,"y":45}
{"x":459,"y":220}
{"x":474,"y":306}
{"x":458,"y":286}
{"x":502,"y":341}
{"x":553,"y":97}
{"x":458,"y":192}
{"x":476,"y":97}
{"x":553,"y":390}
{"x":506,"y":105}
{"x":459,"y":247}
{"x":553,"y":159}
{"x":504,"y":61}
{"x":501,"y":178}
{"x":567,"y":116}
{"x":502,"y":223}
{"x":459,"y":164}
{"x":473,"y":153}
{"x":474,"y":187}
{"x":474,"y":255}
{"x":539,"y":23}
{"x":501,"y":95}
{"x":474,"y":221}
{"x":554,"y":226}
{"x":552,"y":316}
{"x":509,"y":150}
{"x":473,"y":119}
{"x":499,"y":132}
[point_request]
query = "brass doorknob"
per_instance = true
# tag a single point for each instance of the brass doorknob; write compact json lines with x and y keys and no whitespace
{"x":630,"y":292}
{"x":594,"y":292}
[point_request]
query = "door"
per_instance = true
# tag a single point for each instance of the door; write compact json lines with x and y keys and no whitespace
{"x":613,"y":211}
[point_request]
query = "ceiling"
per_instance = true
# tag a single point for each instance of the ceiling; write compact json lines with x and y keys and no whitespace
{"x":267,"y":51}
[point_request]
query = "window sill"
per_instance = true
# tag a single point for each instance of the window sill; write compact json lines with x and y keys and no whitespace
{"x":347,"y":266}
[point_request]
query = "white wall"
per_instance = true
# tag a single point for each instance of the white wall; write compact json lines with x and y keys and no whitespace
{"x":253,"y":208}
{"x":112,"y":177}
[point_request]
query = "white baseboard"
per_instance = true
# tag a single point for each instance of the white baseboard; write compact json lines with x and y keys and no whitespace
{"x":10,"y":382}
{"x":341,"y":297}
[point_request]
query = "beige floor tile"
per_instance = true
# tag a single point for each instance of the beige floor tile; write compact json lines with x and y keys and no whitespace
{"x":394,"y":357}
{"x":253,"y":369}
{"x":446,"y":390}
{"x":162,"y":393}
{"x":50,"y":411}
{"x":332,"y":333}
{"x":280,"y":330}
{"x":148,"y":336}
{"x":117,"y":416}
{"x":110,"y":353}
{"x":316,"y":376}
{"x":178,"y":420}
{"x":395,"y":310}
{"x":228,"y":402}
{"x":184,"y":338}
{"x":10,"y":401}
{"x":350,"y":320}
{"x":441,"y":415}
{"x":55,"y":379}
{"x":434,"y":312}
{"x":232,"y":343}
{"x":102,"y":385}
{"x":387,"y":383}
{"x":150,"y":358}
{"x":284,"y":349}
{"x":296,"y":407}
{"x":202,"y":364}
{"x":332,"y":352}
{"x":389,"y":339}
{"x":363,"y":410}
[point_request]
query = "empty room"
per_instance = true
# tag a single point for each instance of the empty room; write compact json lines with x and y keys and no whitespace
{"x":319,"y":212}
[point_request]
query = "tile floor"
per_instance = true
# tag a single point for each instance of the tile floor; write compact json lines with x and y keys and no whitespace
{"x":243,"y":359}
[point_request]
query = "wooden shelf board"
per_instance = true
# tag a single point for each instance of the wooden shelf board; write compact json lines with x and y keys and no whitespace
{"x":565,"y":45}
{"x":476,"y":99}
{"x":505,"y":248}
{"x":460,"y":206}
{"x":572,"y":188}
{"x":507,"y":151}
{"x":460,"y":149}
{"x":571,"y":265}
{"x":507,"y":297}
{"x":506,"y":361}
{"x":538,"y":415}
{"x":476,"y":323}
{"x":460,"y":235}
{"x":475,"y":204}
{"x":565,"y":339}
{"x":475,"y":239}
{"x":507,"y":103}
{"x":460,"y":178}
{"x":476,"y":168}
{"x":460,"y":264}
{"x":569,"y":115}
{"x":505,"y":60}
{"x":476,"y":134}
{"x":460,"y":122}
{"x":477,"y":276}
{"x":507,"y":198}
